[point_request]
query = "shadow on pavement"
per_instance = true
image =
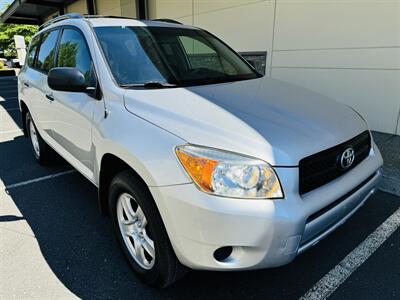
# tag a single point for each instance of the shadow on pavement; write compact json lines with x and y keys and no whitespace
{"x":8,"y":92}
{"x":17,"y":162}
{"x":10,"y":218}
{"x":79,"y":246}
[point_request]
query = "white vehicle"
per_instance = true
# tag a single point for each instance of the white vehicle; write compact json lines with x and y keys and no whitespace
{"x":200,"y":161}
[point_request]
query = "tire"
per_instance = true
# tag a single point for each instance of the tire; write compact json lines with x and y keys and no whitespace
{"x":42,"y":152}
{"x":145,"y":225}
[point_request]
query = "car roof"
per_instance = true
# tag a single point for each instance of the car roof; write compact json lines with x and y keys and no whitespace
{"x":109,"y":21}
{"x":103,"y":21}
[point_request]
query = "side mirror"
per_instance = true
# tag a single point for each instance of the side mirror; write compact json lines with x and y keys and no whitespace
{"x":67,"y":80}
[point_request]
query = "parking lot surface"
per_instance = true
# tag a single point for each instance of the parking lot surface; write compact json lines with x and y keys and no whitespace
{"x":55,"y":244}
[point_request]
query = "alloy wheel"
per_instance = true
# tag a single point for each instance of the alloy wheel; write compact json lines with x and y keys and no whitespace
{"x":34,"y":139}
{"x":135,"y":232}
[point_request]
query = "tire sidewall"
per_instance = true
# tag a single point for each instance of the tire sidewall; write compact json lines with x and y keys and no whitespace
{"x":121,"y":185}
{"x":28,"y":123}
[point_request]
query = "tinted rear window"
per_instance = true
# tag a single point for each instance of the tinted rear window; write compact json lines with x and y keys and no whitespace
{"x":45,"y":57}
{"x":30,"y":58}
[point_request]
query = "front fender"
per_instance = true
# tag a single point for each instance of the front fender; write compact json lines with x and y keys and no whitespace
{"x":146,"y":148}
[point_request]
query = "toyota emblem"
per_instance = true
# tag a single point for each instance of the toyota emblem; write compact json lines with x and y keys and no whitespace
{"x":347,"y":158}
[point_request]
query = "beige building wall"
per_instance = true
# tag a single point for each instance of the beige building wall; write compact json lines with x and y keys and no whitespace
{"x":348,"y":50}
{"x":108,"y":7}
{"x":77,"y":7}
{"x":128,"y":8}
{"x":125,"y":8}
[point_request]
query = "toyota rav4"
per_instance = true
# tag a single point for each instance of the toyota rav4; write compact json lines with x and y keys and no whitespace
{"x":200,"y":161}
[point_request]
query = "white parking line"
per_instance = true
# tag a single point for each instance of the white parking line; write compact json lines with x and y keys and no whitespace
{"x":332,"y":280}
{"x":19,"y":184}
{"x":11,"y":131}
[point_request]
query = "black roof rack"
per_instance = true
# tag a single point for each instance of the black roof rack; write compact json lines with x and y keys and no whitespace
{"x":60,"y":18}
{"x":167,"y":21}
{"x":79,"y":16}
{"x":104,"y":16}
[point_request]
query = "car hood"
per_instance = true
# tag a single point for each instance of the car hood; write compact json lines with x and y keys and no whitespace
{"x":264,"y":118}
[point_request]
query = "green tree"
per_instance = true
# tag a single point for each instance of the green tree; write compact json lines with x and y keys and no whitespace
{"x":7,"y":32}
{"x":67,"y":54}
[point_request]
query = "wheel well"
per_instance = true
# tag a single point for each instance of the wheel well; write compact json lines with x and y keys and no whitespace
{"x":24,"y":110}
{"x":110,"y":166}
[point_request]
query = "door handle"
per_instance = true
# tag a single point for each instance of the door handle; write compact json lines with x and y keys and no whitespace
{"x":26,"y":84}
{"x":50,"y":97}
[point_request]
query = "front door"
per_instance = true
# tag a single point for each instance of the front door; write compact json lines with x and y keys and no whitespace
{"x":73,"y":111}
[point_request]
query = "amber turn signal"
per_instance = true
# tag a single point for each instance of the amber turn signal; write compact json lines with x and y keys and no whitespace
{"x":199,"y":169}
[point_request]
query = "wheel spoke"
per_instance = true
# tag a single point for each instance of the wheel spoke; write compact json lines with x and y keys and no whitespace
{"x":126,"y":204}
{"x":137,"y":244}
{"x":127,"y":227}
{"x":141,"y":217}
{"x":141,"y":256}
{"x":148,"y":245}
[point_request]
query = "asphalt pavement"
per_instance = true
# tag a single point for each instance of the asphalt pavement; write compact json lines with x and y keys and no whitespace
{"x":55,"y":244}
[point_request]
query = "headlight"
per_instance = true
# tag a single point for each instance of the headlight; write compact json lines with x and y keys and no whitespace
{"x":228,"y":174}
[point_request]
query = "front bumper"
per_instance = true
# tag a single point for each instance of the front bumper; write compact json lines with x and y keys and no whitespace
{"x":262,"y":233}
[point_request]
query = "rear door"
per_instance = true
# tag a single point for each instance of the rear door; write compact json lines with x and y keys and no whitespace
{"x":28,"y":78}
{"x":34,"y":80}
{"x":73,"y":111}
{"x":45,"y":60}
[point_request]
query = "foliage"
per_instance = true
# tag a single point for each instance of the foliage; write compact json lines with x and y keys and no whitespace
{"x":7,"y":32}
{"x":1,"y":65}
{"x":67,"y":54}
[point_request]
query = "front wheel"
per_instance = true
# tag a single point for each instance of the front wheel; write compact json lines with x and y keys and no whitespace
{"x":141,"y":232}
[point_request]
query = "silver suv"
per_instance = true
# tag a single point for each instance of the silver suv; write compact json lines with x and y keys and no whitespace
{"x":200,"y":161}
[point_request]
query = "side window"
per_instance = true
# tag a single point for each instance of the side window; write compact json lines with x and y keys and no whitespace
{"x":30,"y":58}
{"x":73,"y":52}
{"x":45,"y":57}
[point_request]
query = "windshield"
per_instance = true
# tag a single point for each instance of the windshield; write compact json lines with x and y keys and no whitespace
{"x":166,"y":56}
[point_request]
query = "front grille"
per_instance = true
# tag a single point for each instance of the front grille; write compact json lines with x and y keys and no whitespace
{"x":323,"y":167}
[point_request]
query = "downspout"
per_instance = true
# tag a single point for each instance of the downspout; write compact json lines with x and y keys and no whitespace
{"x":142,"y":10}
{"x":90,"y":7}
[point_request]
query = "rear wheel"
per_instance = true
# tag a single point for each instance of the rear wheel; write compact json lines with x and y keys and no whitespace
{"x":141,"y":233}
{"x":42,"y":152}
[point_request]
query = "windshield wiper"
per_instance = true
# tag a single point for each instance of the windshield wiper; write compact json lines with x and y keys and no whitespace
{"x":150,"y":85}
